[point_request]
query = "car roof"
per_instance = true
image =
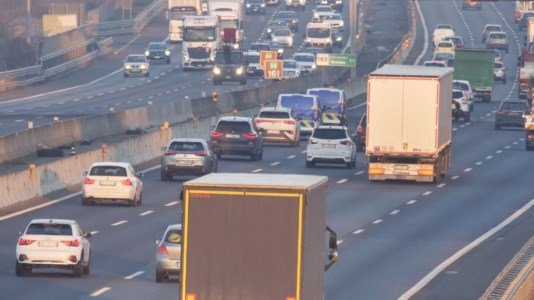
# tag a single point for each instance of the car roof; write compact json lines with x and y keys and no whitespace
{"x":270,"y":108}
{"x":111,"y":163}
{"x":235,"y":118}
{"x":57,"y":221}
{"x":331,"y":127}
{"x":135,"y":55}
{"x":252,"y":52}
{"x":488,"y":25}
{"x":461,"y":81}
{"x":174,"y":226}
{"x":304,"y":53}
{"x":324,"y":89}
{"x":499,"y":32}
{"x":157,"y":43}
{"x":187,"y":140}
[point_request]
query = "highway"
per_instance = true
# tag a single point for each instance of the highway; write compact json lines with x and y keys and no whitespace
{"x":392,"y":233}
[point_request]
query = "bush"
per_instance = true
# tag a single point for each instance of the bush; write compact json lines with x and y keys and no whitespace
{"x":19,"y":54}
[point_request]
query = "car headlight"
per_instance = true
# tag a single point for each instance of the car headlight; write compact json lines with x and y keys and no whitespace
{"x":263,"y":5}
{"x":127,"y":67}
{"x":216,"y":71}
{"x":167,"y":52}
{"x":142,"y":67}
{"x":280,"y":50}
{"x":316,"y":15}
{"x":308,"y":40}
{"x":338,"y":1}
{"x":248,"y":5}
{"x":339,"y":39}
{"x":239,"y":71}
{"x":186,"y":57}
{"x":324,"y":2}
{"x":293,"y":21}
{"x":147,"y":53}
{"x":236,"y":46}
{"x":314,"y":66}
{"x":269,"y":30}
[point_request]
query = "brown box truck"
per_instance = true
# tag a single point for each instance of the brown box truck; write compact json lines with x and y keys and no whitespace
{"x":255,"y":236}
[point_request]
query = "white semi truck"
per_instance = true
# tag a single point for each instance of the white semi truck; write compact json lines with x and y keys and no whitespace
{"x":409,"y":123}
{"x":201,"y":39}
{"x":231,"y":14}
{"x":176,"y":11}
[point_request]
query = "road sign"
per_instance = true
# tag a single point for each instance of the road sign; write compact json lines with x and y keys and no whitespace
{"x":336,"y":60}
{"x":267,"y":55}
{"x":274,"y":69}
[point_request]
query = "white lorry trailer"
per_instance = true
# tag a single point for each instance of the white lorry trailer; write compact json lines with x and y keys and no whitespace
{"x":176,"y":11}
{"x":201,"y":38}
{"x":230,"y":13}
{"x":409,"y":123}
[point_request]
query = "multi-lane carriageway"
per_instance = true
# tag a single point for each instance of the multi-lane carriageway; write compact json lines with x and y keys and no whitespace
{"x":392,"y":234}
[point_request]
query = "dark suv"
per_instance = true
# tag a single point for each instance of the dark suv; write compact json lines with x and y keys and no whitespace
{"x":237,"y":136}
{"x":158,"y":51}
{"x":510,"y":113}
{"x":229,"y":66}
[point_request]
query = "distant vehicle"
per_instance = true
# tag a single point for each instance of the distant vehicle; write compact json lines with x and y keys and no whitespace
{"x":176,"y":10}
{"x":476,"y":66}
{"x":136,"y":64}
{"x":336,"y":5}
{"x":360,"y":134}
{"x":255,"y":7}
{"x":237,"y":136}
{"x":497,"y":40}
{"x":272,"y":25}
{"x":305,"y":61}
{"x":169,"y":252}
{"x":275,"y":46}
{"x":112,"y":181}
{"x":472,"y":4}
{"x":465,"y":86}
{"x":460,"y":106}
{"x":319,"y":35}
{"x":253,"y":64}
{"x":158,"y":51}
{"x":510,"y":113}
{"x":499,"y":72}
{"x":431,"y":63}
{"x":291,"y":69}
{"x":443,"y":56}
{"x":335,"y":20}
{"x":267,"y":46}
{"x":272,"y":2}
{"x":229,"y":66}
{"x":283,"y":37}
{"x":498,"y":55}
{"x":490,"y":28}
{"x":444,"y":46}
{"x":187,"y":156}
{"x":333,"y":105}
{"x":321,"y":11}
{"x":294,"y":4}
{"x":314,"y":50}
{"x":442,"y":31}
{"x":457,"y":40}
{"x":337,"y":38}
{"x":291,"y":19}
{"x":523,"y":21}
{"x":279,"y":125}
{"x":201,"y":35}
{"x":330,"y":144}
{"x":53,"y":243}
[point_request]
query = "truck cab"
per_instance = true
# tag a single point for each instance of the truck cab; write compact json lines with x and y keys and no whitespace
{"x":333,"y":105}
{"x":201,"y":37}
{"x":320,"y":35}
{"x":229,"y":66}
{"x":306,"y":109}
{"x":176,"y":11}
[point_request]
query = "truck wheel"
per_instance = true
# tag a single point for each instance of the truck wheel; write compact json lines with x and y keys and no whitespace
{"x":164,"y":176}
{"x":497,"y":127}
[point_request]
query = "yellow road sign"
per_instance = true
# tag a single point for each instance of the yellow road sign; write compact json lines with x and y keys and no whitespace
{"x":274,"y":69}
{"x":267,"y":55}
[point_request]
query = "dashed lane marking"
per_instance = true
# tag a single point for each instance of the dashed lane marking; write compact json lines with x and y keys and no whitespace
{"x":358,"y":231}
{"x":498,"y":151}
{"x":455,"y":177}
{"x":119,"y":223}
{"x":427,"y":193}
{"x":394,"y":212}
{"x":100,"y":291}
{"x":478,"y":163}
{"x":257,"y":170}
{"x":342,"y":181}
{"x":489,"y":157}
{"x":134,"y":275}
{"x":291,"y":156}
{"x":171,"y":203}
{"x":94,"y":232}
{"x":359,"y":173}
{"x":441,"y":185}
{"x":377,"y":221}
{"x":411,"y":202}
{"x":339,"y":242}
{"x":275,"y":163}
{"x":148,"y":212}
{"x":468,"y":170}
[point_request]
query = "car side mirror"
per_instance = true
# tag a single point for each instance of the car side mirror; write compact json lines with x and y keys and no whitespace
{"x":212,"y":128}
{"x":85,"y":173}
{"x":157,"y":241}
{"x":163,"y":148}
{"x":20,"y":233}
{"x":139,"y":174}
{"x":87,"y":235}
{"x":254,"y":116}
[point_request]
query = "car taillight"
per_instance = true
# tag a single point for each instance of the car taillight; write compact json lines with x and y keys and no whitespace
{"x":88,"y":181}
{"x":162,"y":249}
{"x":289,"y":122}
{"x":312,"y":142}
{"x":500,"y":113}
{"x":359,"y":129}
{"x":216,"y":134}
{"x":201,"y":153}
{"x":530,"y":136}
{"x":169,"y":152}
{"x":250,"y":135}
{"x":258,"y":121}
{"x":72,"y":243}
{"x":345,"y":143}
{"x":127,"y":182}
{"x":464,"y":101}
{"x":25,"y":242}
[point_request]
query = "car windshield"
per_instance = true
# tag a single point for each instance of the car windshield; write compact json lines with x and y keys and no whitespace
{"x":290,"y":64}
{"x":493,"y":28}
{"x":460,"y":86}
{"x":49,"y":229}
{"x":157,"y":46}
{"x":299,"y":104}
{"x":333,"y":17}
{"x":516,"y":106}
{"x":323,"y":9}
{"x":497,"y":65}
{"x":457,"y":94}
{"x":178,"y":13}
{"x":259,"y":47}
{"x":274,"y":115}
{"x":108,"y":171}
{"x":444,"y":26}
{"x":497,"y":36}
{"x":282,"y":32}
{"x":136,"y":58}
{"x":229,"y":57}
{"x":318,"y":32}
{"x":254,"y":59}
{"x":255,"y":1}
{"x":233,"y":126}
{"x":447,"y":45}
{"x":174,"y":236}
{"x":331,"y":100}
{"x":329,"y":134}
{"x":186,"y":146}
{"x":304,"y":58}
{"x":286,"y":15}
{"x":192,"y":34}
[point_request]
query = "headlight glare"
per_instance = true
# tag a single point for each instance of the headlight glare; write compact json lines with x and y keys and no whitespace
{"x":147,"y":53}
{"x":239,"y":71}
{"x":167,"y":52}
{"x":216,"y":71}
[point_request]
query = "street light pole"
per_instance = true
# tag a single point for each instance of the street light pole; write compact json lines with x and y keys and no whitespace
{"x":28,"y":21}
{"x":353,"y":20}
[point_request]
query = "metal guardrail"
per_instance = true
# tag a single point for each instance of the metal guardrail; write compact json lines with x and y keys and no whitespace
{"x":67,"y":50}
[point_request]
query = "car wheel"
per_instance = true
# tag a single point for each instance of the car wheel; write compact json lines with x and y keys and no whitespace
{"x":218,"y":155}
{"x":504,"y":81}
{"x":168,"y":61}
{"x":147,"y":74}
{"x":132,"y":202}
{"x":348,"y":165}
{"x":456,"y":117}
{"x":20,"y":269}
{"x":215,"y":166}
{"x":87,"y":268}
{"x":77,"y":270}
{"x":85,"y":201}
{"x":164,"y":176}
{"x":254,"y":156}
{"x":140,"y":199}
{"x":497,"y":126}
{"x":159,"y":276}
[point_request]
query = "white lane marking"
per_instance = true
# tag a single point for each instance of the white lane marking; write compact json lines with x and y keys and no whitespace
{"x":425,"y":33}
{"x":100,"y":291}
{"x":303,"y":151}
{"x":478,"y":163}
{"x":63,"y":102}
{"x":99,"y":94}
{"x":128,"y":44}
{"x":489,"y":157}
{"x":358,"y":231}
{"x":339,"y":242}
{"x":90,"y":97}
{"x":19,"y":120}
{"x":134,"y":275}
{"x":515,"y":143}
{"x":498,"y":151}
{"x":468,"y":170}
{"x":122,"y":89}
{"x":171,"y":203}
{"x":291,"y":156}
{"x":257,"y":170}
{"x":119,"y":223}
{"x":394,"y":212}
{"x":441,"y":185}
{"x":275,"y":163}
{"x":507,"y":147}
{"x":427,"y":193}
{"x":111,"y":92}
{"x":455,"y":177}
{"x":94,"y":232}
{"x":449,"y":261}
{"x":75,"y":100}
{"x":359,"y":173}
{"x":148,"y":212}
{"x":411,"y":202}
{"x":342,"y":180}
{"x":377,"y":221}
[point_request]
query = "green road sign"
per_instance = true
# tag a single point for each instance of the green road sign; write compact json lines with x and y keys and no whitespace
{"x":336,"y":60}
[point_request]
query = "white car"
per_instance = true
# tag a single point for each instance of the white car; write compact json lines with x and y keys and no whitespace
{"x":279,"y":125}
{"x":254,"y":69}
{"x":283,"y":37}
{"x":465,"y":86}
{"x":305,"y":61}
{"x":331,"y":144}
{"x":136,"y":64}
{"x":53,"y":243}
{"x":460,"y":106}
{"x":335,"y":21}
{"x":112,"y":181}
{"x":291,"y":69}
{"x":321,"y":11}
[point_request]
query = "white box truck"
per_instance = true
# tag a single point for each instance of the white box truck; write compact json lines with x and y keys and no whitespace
{"x":409,"y":123}
{"x":230,"y":13}
{"x":176,"y":11}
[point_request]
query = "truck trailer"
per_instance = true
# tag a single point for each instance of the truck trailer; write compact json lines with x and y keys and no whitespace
{"x":476,"y":66}
{"x":409,"y":123}
{"x":176,"y":11}
{"x":255,"y":236}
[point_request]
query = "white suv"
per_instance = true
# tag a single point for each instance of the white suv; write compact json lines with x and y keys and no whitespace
{"x":279,"y":125}
{"x":331,"y":144}
{"x":53,"y":243}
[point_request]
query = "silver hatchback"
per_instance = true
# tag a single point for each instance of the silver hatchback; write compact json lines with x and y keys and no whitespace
{"x":189,"y":157}
{"x":168,"y":253}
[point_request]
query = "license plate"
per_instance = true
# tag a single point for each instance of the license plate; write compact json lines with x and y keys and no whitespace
{"x":329,"y":146}
{"x":402,"y":167}
{"x":228,"y":77}
{"x":186,"y":163}
{"x":47,"y":244}
{"x":107,"y":183}
{"x":273,"y":131}
{"x":232,"y":136}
